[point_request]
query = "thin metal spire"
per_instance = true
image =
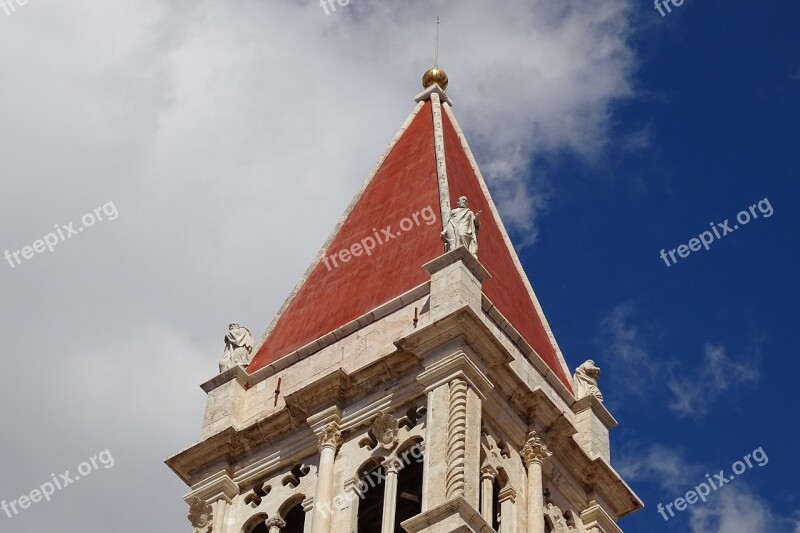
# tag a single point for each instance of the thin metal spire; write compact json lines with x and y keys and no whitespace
{"x":436,"y":57}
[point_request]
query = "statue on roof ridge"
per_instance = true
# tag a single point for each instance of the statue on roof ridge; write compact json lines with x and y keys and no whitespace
{"x":462,"y":228}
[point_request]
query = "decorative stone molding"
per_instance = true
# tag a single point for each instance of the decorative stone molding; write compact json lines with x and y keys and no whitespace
{"x":507,"y":494}
{"x":456,"y":439}
{"x":596,"y":520}
{"x":201,"y":516}
{"x":293,"y":477}
{"x":330,"y":437}
{"x":535,"y":450}
{"x":215,"y":487}
{"x":259,"y":492}
{"x":560,"y":524}
{"x":384,"y":430}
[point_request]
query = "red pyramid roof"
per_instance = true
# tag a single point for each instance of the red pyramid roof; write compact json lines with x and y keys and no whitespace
{"x":404,"y":185}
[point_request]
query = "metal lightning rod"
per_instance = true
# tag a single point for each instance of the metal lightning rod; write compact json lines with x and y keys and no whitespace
{"x":436,"y":57}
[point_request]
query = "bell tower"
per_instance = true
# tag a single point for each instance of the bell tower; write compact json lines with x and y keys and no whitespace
{"x":410,"y":382}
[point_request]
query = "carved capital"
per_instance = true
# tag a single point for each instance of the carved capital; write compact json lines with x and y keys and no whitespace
{"x":535,"y":451}
{"x":488,"y":472}
{"x":330,"y":437}
{"x":392,"y":466}
{"x":275,"y":521}
{"x":201,"y":516}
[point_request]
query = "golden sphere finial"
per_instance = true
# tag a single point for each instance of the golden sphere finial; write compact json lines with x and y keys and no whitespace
{"x":435,"y":75}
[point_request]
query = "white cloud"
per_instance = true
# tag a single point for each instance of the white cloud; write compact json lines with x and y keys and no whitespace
{"x":737,"y":510}
{"x":626,"y":339}
{"x":694,"y":393}
{"x":663,"y":465}
{"x":635,"y":368}
{"x":733,"y":508}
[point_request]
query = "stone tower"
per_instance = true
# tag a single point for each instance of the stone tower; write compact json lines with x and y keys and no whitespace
{"x":410,"y":382}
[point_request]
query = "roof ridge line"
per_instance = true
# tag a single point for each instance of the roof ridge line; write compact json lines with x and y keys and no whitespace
{"x":441,"y":163}
{"x":514,"y":257}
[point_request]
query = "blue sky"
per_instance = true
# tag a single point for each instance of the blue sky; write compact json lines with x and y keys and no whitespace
{"x":712,"y":130}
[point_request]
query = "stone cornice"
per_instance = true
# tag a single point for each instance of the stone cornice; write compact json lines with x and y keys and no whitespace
{"x":595,"y":516}
{"x":238,"y":373}
{"x":334,"y":389}
{"x":249,"y":380}
{"x":462,"y":323}
{"x":601,"y":478}
{"x":456,"y":365}
{"x":216,"y":487}
{"x":454,"y":256}
{"x":452,"y":515}
{"x":597,"y":407}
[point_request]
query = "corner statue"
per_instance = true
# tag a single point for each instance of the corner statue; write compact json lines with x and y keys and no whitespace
{"x":586,"y":381}
{"x":238,"y":347}
{"x":462,"y":228}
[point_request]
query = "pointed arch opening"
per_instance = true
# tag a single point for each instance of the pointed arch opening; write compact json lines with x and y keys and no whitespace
{"x":293,"y":514}
{"x":370,"y":506}
{"x":409,"y":482}
{"x":256,"y":524}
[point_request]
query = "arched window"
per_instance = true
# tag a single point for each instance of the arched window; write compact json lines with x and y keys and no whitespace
{"x":409,"y":485}
{"x":497,"y":499}
{"x":404,"y":478}
{"x":370,"y":508}
{"x":295,"y":519}
{"x":256,"y":524}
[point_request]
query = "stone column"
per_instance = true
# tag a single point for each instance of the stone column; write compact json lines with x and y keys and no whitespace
{"x":435,"y":459}
{"x":534,"y":453}
{"x":308,"y":508}
{"x":508,"y":519}
{"x":488,"y":474}
{"x":329,"y":441}
{"x":390,"y":467}
{"x":275,"y":524}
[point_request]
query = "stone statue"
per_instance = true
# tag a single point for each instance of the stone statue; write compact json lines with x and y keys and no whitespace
{"x":238,"y":347}
{"x":586,"y":381}
{"x":462,"y":228}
